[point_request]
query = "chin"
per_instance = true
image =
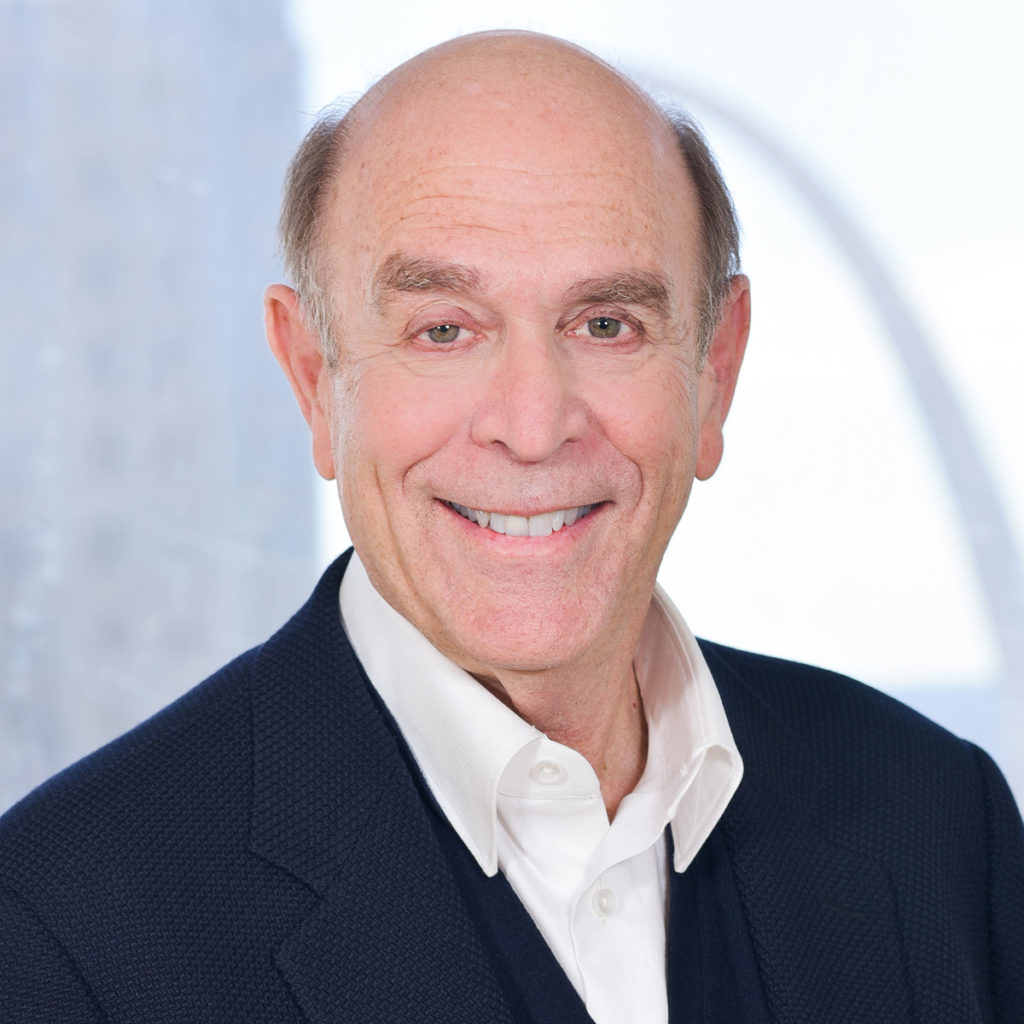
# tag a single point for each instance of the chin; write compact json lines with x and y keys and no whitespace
{"x":494,"y":643}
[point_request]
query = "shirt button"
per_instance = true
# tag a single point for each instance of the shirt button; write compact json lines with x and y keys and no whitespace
{"x":547,"y":773}
{"x":602,"y":902}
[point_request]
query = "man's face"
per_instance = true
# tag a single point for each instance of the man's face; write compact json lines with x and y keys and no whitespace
{"x":517,"y":413}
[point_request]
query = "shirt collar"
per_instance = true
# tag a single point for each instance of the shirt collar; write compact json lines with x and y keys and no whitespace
{"x":463,"y":737}
{"x":692,"y":758}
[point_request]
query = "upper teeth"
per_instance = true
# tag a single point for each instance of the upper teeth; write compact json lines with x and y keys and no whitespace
{"x":523,"y":526}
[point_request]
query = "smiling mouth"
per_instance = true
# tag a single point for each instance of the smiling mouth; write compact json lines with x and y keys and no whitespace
{"x":541,"y":525}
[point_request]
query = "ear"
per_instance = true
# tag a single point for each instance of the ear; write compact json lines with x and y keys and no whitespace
{"x":718,"y":376}
{"x":298,"y":351}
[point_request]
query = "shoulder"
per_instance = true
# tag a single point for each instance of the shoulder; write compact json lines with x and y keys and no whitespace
{"x":149,"y":853}
{"x":871,"y":761}
{"x":186,"y":759}
{"x":159,"y":772}
{"x":122,"y":850}
{"x":848,"y":793}
{"x":860,"y":750}
{"x":827,"y":709}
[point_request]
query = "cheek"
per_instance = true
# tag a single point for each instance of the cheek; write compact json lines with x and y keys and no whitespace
{"x":388,"y":422}
{"x":652,"y":420}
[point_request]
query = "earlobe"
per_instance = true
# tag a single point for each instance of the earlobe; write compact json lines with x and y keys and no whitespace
{"x":298,"y":351}
{"x":718,"y":377}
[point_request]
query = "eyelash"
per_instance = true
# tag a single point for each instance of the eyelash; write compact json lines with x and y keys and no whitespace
{"x":634,"y":329}
{"x":446,"y":342}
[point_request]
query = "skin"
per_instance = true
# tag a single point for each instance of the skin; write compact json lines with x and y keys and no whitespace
{"x":505,"y":202}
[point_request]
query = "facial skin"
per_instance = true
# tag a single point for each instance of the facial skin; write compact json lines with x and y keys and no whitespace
{"x":511,"y":250}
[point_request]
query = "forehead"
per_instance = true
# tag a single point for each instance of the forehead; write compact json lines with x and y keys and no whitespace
{"x":547,"y":164}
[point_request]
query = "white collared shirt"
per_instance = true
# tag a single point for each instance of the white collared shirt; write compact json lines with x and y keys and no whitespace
{"x":532,"y":807}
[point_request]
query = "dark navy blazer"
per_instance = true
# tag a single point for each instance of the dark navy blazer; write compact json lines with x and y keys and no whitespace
{"x":263,"y":851}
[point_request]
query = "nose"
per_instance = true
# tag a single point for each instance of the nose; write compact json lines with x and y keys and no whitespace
{"x":531,"y":404}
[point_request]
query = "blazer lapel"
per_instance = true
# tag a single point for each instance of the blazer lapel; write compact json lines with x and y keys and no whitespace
{"x":822,"y":920}
{"x":334,"y":804}
{"x":391,"y":938}
{"x":822,"y":917}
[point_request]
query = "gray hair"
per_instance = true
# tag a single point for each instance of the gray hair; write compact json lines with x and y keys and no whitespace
{"x":317,"y":162}
{"x":315,"y":165}
{"x":720,"y":230}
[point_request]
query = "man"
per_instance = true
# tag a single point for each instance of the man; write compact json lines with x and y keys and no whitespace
{"x":486,"y":773}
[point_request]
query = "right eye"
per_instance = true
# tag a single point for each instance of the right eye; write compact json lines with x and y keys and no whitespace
{"x":442,"y":334}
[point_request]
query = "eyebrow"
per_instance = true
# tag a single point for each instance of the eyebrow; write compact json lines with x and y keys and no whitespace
{"x":402,"y":273}
{"x":632,"y":288}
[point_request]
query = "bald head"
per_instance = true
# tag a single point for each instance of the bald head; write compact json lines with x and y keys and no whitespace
{"x":523,"y":75}
{"x":508,"y":100}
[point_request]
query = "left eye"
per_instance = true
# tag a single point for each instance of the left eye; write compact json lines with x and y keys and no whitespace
{"x":604,"y":327}
{"x":443,"y":333}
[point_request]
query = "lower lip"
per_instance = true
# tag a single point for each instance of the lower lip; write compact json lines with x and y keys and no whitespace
{"x":567,"y":534}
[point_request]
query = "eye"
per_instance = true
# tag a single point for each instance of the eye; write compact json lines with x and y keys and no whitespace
{"x":442,"y":334}
{"x":604,"y":327}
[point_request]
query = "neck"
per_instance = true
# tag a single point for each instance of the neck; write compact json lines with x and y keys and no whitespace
{"x":600,"y":715}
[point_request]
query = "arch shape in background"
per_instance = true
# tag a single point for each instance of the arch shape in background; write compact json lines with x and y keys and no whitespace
{"x":980,"y":510}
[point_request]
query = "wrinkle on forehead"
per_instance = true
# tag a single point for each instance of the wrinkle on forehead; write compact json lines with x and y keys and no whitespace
{"x":560,"y":200}
{"x":490,"y":112}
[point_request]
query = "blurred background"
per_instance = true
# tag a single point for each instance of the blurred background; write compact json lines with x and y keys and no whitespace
{"x":159,"y":511}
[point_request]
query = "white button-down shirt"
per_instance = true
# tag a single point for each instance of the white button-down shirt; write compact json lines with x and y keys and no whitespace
{"x":533,"y":808}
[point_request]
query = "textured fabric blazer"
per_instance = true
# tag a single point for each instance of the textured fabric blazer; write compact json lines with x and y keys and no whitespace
{"x":261,"y":851}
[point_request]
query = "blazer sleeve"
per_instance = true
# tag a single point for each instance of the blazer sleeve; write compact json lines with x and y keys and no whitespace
{"x":1006,"y":894}
{"x":38,"y":982}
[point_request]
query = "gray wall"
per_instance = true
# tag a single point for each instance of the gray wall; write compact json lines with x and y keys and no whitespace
{"x":155,"y":507}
